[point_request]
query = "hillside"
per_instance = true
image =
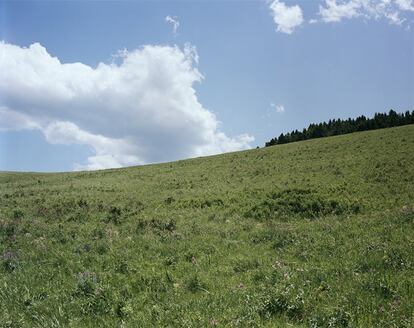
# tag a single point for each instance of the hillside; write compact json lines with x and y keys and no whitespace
{"x":316,"y":233}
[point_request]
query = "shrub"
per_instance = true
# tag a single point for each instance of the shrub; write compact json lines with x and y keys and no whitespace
{"x":395,"y":260}
{"x":303,"y":203}
{"x":102,"y":247}
{"x":195,"y":284}
{"x":246,"y":265}
{"x":87,"y":284}
{"x":169,"y":200}
{"x":18,"y":214}
{"x":8,"y":229}
{"x":114,"y":215}
{"x":122,"y":267}
{"x":10,"y":262}
{"x":124,"y":309}
{"x":82,"y":203}
{"x":159,"y":225}
{"x":201,"y":203}
{"x":338,"y":318}
{"x":279,"y":304}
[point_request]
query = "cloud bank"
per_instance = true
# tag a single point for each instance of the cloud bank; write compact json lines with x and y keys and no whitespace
{"x":395,"y":12}
{"x":390,"y":10}
{"x":141,"y":110}
{"x":286,"y":18}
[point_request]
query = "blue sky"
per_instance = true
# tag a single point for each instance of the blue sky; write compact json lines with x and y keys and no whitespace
{"x":232,"y":76}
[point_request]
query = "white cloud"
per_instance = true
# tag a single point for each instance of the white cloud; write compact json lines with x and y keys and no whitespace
{"x":390,"y":10}
{"x":109,"y":152}
{"x":286,"y":18}
{"x":15,"y":121}
{"x":334,"y":12}
{"x":278,"y":108}
{"x":405,"y":4}
{"x":173,"y":20}
{"x":141,"y":110}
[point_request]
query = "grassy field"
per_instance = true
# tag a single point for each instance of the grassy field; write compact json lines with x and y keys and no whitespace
{"x":318,"y":233}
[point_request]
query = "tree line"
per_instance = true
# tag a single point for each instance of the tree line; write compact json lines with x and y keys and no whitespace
{"x":337,"y":126}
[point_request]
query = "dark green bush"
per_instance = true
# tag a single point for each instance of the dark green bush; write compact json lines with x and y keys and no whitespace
{"x":246,"y":265}
{"x":114,"y":215}
{"x":279,"y":304}
{"x":303,"y":203}
{"x":195,"y":284}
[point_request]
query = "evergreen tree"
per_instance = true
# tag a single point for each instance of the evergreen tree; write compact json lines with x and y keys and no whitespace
{"x":337,"y":126}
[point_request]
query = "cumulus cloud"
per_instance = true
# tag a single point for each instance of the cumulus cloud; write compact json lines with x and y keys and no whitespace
{"x":173,"y":20}
{"x":286,"y":18}
{"x":141,"y":110}
{"x":390,"y":10}
{"x":15,"y":121}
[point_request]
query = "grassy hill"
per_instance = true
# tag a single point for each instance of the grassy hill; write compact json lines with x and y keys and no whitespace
{"x":311,"y":234}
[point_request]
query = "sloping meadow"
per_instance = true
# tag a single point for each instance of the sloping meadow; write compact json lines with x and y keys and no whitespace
{"x":311,"y":234}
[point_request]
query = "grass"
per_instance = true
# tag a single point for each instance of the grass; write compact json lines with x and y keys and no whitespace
{"x":311,"y":234}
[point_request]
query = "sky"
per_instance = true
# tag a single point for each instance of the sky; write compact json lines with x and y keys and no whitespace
{"x":90,"y":85}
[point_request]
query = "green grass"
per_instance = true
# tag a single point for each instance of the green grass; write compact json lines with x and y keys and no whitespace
{"x":311,"y":234}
